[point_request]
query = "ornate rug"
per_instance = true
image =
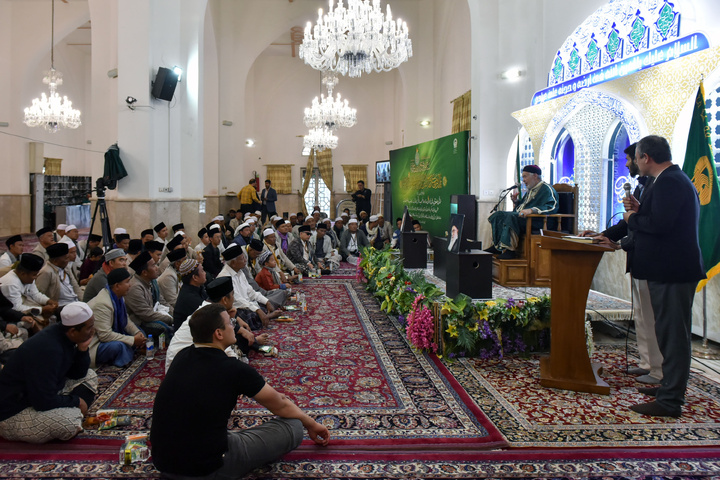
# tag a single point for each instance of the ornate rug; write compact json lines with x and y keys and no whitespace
{"x":613,"y":466}
{"x":348,"y":365}
{"x":529,"y":415}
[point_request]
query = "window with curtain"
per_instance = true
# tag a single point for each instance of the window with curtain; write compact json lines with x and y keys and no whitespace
{"x":280,"y":176}
{"x":354,"y":173}
{"x":461,"y":113}
{"x":317,"y":193}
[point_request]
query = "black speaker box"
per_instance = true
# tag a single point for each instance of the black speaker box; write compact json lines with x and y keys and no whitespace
{"x":414,"y":249}
{"x":469,"y":273}
{"x":165,"y":82}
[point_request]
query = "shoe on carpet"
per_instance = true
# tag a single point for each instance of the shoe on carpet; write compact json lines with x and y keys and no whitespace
{"x":647,"y":379}
{"x":653,"y":409}
{"x":637,"y":371}
{"x":493,"y":250}
{"x":507,"y":255}
{"x":649,"y":391}
{"x":325,"y":271}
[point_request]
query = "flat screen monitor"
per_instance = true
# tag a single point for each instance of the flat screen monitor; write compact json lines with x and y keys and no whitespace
{"x":382,"y":171}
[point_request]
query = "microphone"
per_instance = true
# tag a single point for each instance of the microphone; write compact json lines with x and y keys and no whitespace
{"x":511,"y":188}
{"x":627,"y":188}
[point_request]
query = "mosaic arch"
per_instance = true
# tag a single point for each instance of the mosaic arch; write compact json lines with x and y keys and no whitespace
{"x":617,"y":30}
{"x":590,"y":117}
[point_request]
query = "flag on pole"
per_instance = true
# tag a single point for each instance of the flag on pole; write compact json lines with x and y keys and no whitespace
{"x":700,"y":167}
{"x":518,"y":173}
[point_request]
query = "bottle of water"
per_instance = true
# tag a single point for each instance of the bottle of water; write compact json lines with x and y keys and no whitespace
{"x":149,"y":348}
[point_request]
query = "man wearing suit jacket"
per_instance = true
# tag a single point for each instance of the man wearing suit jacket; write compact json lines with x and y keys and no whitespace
{"x":649,"y":369}
{"x":667,"y":255}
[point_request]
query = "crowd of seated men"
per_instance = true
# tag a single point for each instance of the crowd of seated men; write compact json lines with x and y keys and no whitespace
{"x":71,"y":305}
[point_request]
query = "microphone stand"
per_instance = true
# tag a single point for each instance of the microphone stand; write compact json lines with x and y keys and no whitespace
{"x":502,"y":197}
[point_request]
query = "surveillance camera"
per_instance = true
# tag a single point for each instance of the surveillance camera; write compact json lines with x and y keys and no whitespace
{"x":130,"y":100}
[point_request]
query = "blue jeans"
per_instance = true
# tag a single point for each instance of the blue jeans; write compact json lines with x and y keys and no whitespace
{"x":116,"y":353}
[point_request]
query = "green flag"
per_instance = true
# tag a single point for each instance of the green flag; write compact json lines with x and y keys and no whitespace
{"x":700,"y":167}
{"x":518,"y":173}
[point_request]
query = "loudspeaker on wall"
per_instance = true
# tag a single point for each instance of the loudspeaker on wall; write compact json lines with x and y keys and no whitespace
{"x":165,"y":82}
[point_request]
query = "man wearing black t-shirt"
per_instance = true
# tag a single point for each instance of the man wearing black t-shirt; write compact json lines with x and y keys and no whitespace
{"x":189,"y":427}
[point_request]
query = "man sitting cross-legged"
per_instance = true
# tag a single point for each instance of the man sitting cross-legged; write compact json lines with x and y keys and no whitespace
{"x":116,"y":337}
{"x":18,"y":286}
{"x":246,"y":298}
{"x":192,"y":293}
{"x":219,"y":291}
{"x":143,"y":301}
{"x":189,"y":430}
{"x":47,"y":385}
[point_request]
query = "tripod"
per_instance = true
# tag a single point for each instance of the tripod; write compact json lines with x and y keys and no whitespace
{"x":104,"y":220}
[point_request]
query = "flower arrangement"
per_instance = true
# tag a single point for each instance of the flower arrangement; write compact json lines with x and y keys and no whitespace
{"x":489,"y":329}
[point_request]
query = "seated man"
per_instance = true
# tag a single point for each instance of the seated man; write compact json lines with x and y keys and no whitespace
{"x":18,"y":286}
{"x":202,"y":388}
{"x":299,"y":250}
{"x":169,"y":282}
{"x":219,"y":291}
{"x":325,"y":256}
{"x":113,"y":259}
{"x":54,"y":281}
{"x":211,"y":254}
{"x":47,"y":385}
{"x":15,"y":247}
{"x":115,"y":337}
{"x":192,"y":293}
{"x":143,"y":301}
{"x":247,"y":300}
{"x":253,"y":251}
{"x":45,"y":238}
{"x":375,"y":234}
{"x":352,"y":242}
{"x":287,"y":270}
{"x":91,"y":265}
{"x":285,"y":236}
{"x":507,"y":227}
{"x":12,"y":330}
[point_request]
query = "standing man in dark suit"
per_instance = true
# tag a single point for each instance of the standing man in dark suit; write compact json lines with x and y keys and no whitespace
{"x":362,"y":198}
{"x":268,"y":197}
{"x":667,"y":255}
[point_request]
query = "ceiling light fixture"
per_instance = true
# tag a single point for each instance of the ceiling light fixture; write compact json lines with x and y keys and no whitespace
{"x":320,"y":139}
{"x":356,"y":39}
{"x":52,"y":112}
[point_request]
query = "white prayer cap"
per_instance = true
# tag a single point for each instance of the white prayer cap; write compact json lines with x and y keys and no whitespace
{"x":344,"y":214}
{"x":119,"y":231}
{"x":380,"y":215}
{"x":61,"y":226}
{"x":373,"y":218}
{"x":248,"y":214}
{"x":219,"y":218}
{"x":268,"y":231}
{"x":293,"y":215}
{"x":179,"y":233}
{"x":75,"y":313}
{"x":66,"y":240}
{"x":353,"y":215}
{"x":241,"y":226}
{"x":251,"y":220}
{"x":275,"y":218}
{"x":352,"y":220}
{"x":327,"y":220}
{"x":70,"y":227}
{"x":215,"y":227}
{"x":339,"y":219}
{"x":258,"y":212}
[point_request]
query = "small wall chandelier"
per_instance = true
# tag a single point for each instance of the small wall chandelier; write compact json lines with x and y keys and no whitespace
{"x":52,"y":112}
{"x":356,"y":39}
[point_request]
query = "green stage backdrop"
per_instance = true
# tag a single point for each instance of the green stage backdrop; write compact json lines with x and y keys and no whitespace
{"x":425,"y":175}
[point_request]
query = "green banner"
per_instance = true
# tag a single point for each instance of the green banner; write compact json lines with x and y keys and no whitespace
{"x":700,"y":167}
{"x":424,"y":177}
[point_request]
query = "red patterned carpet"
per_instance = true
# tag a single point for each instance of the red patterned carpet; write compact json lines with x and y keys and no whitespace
{"x":529,"y":415}
{"x":347,"y":364}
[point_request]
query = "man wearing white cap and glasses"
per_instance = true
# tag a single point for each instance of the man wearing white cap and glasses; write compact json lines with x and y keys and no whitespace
{"x":352,"y":242}
{"x":47,"y":385}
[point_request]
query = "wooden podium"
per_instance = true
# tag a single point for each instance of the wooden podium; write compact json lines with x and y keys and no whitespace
{"x":573,"y":266}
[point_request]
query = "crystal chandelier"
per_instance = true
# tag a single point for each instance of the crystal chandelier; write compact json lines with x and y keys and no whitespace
{"x":320,"y":139}
{"x":52,"y":112}
{"x":356,"y":39}
{"x":328,"y":112}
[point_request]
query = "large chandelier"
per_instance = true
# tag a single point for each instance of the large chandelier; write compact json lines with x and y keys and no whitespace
{"x":320,"y":139}
{"x":328,"y":112}
{"x":356,"y":39}
{"x":52,"y":112}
